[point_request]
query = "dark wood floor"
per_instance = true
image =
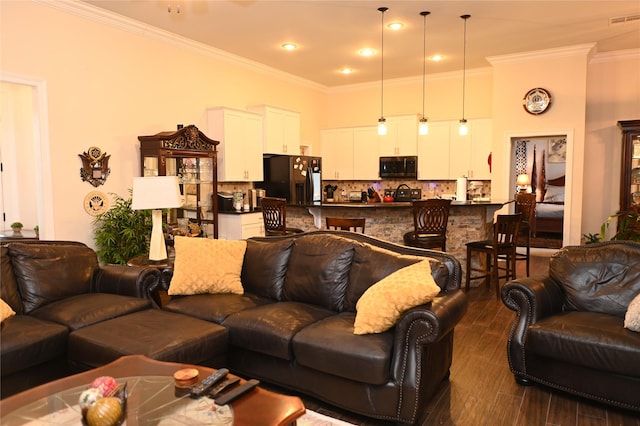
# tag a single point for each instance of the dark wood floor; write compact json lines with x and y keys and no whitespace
{"x":482,"y":391}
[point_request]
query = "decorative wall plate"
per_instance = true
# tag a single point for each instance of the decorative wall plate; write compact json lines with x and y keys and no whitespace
{"x":537,"y":101}
{"x":96,"y":203}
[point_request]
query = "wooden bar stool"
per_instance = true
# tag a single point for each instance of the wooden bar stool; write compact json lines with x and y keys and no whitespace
{"x":430,"y":218}
{"x":274,"y":214}
{"x":525,"y":204}
{"x":503,"y":245}
{"x":346,"y":224}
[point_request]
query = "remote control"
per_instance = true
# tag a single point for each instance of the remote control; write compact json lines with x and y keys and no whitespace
{"x":215,"y":392}
{"x":236,"y":392}
{"x":202,"y":387}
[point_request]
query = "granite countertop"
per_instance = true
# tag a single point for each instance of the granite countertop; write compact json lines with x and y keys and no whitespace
{"x":397,"y":204}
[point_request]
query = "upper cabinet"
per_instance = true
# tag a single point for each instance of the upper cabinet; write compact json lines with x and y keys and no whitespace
{"x":630,"y":179}
{"x":433,"y":152}
{"x":350,"y":153}
{"x":281,"y":130}
{"x":240,"y":149}
{"x":401,"y":137}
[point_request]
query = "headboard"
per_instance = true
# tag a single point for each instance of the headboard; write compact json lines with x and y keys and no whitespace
{"x":556,"y":197}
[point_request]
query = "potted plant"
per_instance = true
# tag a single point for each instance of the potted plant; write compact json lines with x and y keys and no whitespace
{"x":122,"y":233}
{"x":627,"y":228}
{"x":17,"y":226}
{"x":36,"y":229}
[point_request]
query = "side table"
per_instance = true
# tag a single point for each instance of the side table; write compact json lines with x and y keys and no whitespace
{"x":166,"y":269}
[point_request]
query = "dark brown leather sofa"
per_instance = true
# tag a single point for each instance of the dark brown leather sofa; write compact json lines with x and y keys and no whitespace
{"x":293,"y":326}
{"x":56,"y":287}
{"x":569,"y":330}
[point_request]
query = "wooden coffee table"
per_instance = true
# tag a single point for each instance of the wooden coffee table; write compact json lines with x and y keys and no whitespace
{"x":258,"y":406}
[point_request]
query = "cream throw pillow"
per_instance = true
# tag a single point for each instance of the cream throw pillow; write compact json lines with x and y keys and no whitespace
{"x":204,"y":265}
{"x":382,"y":305}
{"x":5,"y":310}
{"x":632,"y":317}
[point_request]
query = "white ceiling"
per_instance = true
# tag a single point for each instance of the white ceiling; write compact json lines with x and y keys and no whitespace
{"x":330,"y":33}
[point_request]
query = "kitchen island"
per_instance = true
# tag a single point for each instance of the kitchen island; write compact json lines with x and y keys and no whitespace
{"x":468,"y":220}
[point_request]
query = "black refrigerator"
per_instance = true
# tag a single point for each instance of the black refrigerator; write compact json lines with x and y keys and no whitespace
{"x":298,"y":178}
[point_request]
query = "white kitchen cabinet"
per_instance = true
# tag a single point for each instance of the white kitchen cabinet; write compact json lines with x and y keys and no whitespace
{"x":366,"y":154}
{"x":240,"y":149}
{"x":337,"y":154}
{"x":401,"y":137}
{"x":281,"y":130}
{"x":240,"y":226}
{"x":433,"y":152}
{"x":469,"y":153}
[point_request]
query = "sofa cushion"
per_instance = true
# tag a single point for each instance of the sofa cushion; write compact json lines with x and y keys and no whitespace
{"x":632,"y":317}
{"x":383,"y":303}
{"x":588,"y":339}
{"x":8,"y":285}
{"x":265,"y":266}
{"x":269,"y":329}
{"x":46,"y":273}
{"x":86,"y":309}
{"x":205,"y":265}
{"x":214,"y":307}
{"x":5,"y":311}
{"x":598,"y":278}
{"x":318,"y":271}
{"x":371,"y":264}
{"x":28,"y":341}
{"x":330,"y":346}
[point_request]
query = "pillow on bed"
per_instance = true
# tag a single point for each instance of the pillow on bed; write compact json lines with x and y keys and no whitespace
{"x":554,"y":194}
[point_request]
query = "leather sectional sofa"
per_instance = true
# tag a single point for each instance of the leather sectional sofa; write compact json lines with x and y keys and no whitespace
{"x":569,"y":331}
{"x":294,"y":324}
{"x":57,"y":287}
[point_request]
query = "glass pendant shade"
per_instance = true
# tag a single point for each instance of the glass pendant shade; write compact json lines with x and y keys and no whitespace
{"x":463,"y":130}
{"x":423,"y":127}
{"x":382,"y":126}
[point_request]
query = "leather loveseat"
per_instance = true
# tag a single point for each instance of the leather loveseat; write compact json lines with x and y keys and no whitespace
{"x":294,"y":324}
{"x":569,"y":329}
{"x":56,"y":287}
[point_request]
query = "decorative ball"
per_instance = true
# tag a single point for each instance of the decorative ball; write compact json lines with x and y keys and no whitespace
{"x":89,"y":397}
{"x":106,"y":384}
{"x":105,"y":412}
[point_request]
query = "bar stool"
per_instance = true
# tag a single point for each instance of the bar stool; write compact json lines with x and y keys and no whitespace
{"x":274,"y":214}
{"x":430,"y":218}
{"x":503,"y":245}
{"x":525,"y":204}
{"x":346,"y":224}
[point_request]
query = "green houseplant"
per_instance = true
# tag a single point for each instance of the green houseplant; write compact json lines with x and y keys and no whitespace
{"x":122,"y":233}
{"x":17,"y":226}
{"x":628,"y":226}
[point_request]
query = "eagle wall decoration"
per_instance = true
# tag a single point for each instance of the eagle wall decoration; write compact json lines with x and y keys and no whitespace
{"x":95,"y":166}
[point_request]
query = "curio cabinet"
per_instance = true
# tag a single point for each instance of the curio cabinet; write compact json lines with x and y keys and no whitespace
{"x":630,"y":178}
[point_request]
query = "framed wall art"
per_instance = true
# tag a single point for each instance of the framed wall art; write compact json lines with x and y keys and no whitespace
{"x":557,"y":150}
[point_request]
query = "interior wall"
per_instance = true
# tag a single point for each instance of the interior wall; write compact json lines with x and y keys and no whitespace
{"x":110,"y":85}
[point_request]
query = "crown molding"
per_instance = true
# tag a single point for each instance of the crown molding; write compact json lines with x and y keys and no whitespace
{"x":616,"y":55}
{"x":577,"y":50}
{"x":88,"y":11}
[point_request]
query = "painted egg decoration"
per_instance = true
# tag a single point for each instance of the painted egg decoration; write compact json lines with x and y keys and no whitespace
{"x":105,"y":412}
{"x":106,"y":384}
{"x":89,"y":397}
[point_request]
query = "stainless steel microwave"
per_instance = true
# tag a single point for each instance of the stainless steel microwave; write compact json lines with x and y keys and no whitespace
{"x":399,"y":167}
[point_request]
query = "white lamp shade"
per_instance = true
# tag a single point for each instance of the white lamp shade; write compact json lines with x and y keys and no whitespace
{"x":523,"y":180}
{"x":156,"y":192}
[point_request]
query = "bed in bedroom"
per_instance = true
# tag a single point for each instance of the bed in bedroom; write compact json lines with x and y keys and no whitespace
{"x":549,"y":213}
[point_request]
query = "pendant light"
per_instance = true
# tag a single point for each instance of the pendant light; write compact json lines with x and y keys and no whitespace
{"x":463,"y":130}
{"x":423,"y":126}
{"x":382,"y":122}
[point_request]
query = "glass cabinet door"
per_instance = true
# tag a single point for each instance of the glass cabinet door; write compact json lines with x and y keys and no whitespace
{"x":630,"y":179}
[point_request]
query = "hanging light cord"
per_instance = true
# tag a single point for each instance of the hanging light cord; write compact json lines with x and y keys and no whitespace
{"x":464,"y":61}
{"x":382,"y":11}
{"x":424,"y":58}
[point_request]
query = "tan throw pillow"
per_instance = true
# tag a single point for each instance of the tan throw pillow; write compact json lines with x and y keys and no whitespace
{"x":382,"y":305}
{"x":632,"y":317}
{"x":204,"y":265}
{"x":5,"y":310}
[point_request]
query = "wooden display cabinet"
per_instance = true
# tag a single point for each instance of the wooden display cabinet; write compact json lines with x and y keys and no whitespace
{"x":192,"y":156}
{"x":630,"y":178}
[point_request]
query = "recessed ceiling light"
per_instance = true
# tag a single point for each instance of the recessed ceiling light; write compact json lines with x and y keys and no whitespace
{"x":436,"y":58}
{"x":289,"y":46}
{"x":367,"y":51}
{"x":395,"y":26}
{"x":346,"y":71}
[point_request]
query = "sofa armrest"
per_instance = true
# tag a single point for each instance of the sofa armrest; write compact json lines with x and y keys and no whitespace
{"x":137,"y":281}
{"x":425,"y":325}
{"x":533,"y":298}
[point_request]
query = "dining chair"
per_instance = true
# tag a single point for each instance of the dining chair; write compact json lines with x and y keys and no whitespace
{"x":525,"y":204}
{"x":274,"y":214}
{"x":502,"y":245}
{"x":346,"y":224}
{"x":430,"y":218}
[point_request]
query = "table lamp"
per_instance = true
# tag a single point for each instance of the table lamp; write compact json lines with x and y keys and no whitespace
{"x":156,"y":193}
{"x":522,"y":181}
